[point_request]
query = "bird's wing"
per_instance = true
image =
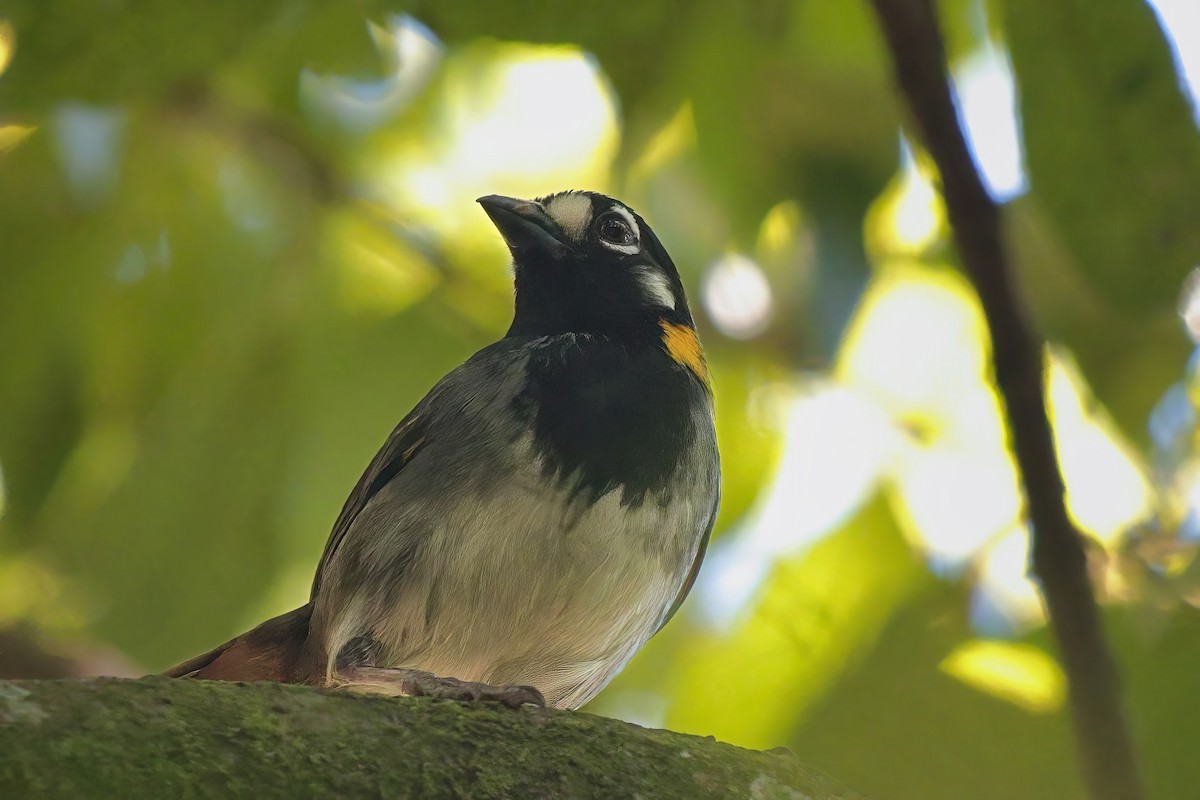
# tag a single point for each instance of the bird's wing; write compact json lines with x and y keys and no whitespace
{"x":695,"y":568}
{"x":439,"y":412}
{"x":398,"y":451}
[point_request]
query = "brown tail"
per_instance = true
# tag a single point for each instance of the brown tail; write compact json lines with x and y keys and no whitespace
{"x":274,"y":651}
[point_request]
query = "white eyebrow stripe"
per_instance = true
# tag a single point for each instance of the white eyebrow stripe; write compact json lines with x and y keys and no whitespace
{"x":627,"y":249}
{"x":572,"y":212}
{"x":656,"y":285}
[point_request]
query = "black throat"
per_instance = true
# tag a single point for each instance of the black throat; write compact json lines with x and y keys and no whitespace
{"x":609,"y":415}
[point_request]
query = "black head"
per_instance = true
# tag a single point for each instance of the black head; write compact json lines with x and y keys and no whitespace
{"x":585,"y":263}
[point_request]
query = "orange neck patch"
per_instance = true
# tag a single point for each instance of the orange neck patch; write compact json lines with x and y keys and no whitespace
{"x":683,"y":345}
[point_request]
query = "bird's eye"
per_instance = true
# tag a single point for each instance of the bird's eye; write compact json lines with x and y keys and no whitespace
{"x":615,"y":230}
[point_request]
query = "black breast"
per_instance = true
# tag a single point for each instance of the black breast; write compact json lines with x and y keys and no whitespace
{"x":607,"y":416}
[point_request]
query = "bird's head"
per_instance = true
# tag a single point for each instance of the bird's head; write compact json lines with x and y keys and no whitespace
{"x":586,"y":263}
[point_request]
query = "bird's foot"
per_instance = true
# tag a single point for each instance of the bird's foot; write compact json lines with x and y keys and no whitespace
{"x":418,"y":683}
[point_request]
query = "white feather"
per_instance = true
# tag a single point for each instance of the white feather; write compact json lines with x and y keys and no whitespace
{"x":572,"y":212}
{"x":656,"y":286}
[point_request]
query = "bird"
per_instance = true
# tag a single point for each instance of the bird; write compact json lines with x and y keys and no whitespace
{"x":543,"y":511}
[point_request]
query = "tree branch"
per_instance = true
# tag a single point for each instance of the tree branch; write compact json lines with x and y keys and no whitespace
{"x":1059,"y":558}
{"x":158,"y":737}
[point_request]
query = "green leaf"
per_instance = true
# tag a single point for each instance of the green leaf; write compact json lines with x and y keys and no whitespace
{"x":1129,"y":359}
{"x":908,"y":730}
{"x":814,"y":616}
{"x":125,"y":52}
{"x":1113,"y":152}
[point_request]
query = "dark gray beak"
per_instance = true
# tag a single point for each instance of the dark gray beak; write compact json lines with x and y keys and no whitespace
{"x":526,"y":226}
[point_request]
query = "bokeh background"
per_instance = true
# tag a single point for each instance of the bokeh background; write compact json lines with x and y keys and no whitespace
{"x":239,"y":241}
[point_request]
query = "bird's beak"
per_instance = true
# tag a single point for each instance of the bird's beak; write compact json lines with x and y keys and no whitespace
{"x":526,"y":226}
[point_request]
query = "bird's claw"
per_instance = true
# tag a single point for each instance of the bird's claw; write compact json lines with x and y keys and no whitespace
{"x":511,"y":695}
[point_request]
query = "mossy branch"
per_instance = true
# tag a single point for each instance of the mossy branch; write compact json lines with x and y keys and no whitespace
{"x":157,"y":737}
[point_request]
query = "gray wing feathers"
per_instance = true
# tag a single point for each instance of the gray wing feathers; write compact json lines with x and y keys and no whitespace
{"x":690,"y":580}
{"x":441,"y":422}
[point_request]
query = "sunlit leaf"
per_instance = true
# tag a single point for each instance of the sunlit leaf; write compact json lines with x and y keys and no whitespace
{"x":8,"y":44}
{"x":1019,"y":673}
{"x":749,"y":429}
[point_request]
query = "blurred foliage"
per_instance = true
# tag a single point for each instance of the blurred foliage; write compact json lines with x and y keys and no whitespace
{"x":1113,"y":158}
{"x":1090,"y":105}
{"x":238,"y":243}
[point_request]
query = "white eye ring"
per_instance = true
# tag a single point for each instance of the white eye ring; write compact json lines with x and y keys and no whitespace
{"x":627,"y":249}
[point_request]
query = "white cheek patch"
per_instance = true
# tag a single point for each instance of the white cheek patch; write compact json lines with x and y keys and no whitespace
{"x":627,"y":249}
{"x":656,"y":286}
{"x":572,"y":212}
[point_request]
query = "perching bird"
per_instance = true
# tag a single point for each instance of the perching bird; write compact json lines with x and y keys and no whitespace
{"x":543,"y":511}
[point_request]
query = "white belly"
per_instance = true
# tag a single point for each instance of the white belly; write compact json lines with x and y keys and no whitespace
{"x":524,"y":585}
{"x":527,"y":588}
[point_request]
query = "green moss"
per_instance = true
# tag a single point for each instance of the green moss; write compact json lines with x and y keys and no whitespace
{"x":15,"y":705}
{"x":158,"y":737}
